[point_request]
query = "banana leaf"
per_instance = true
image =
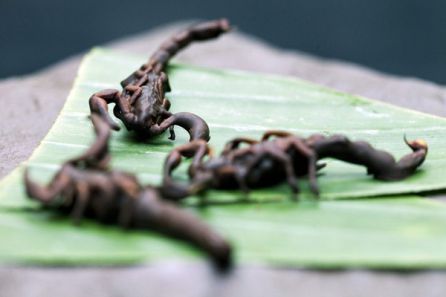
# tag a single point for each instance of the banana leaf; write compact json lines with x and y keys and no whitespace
{"x":403,"y":232}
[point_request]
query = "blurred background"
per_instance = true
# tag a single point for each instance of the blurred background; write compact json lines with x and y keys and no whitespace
{"x":404,"y":37}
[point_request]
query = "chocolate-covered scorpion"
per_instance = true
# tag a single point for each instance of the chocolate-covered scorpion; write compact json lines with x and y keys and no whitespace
{"x":84,"y":187}
{"x":268,"y":162}
{"x":141,"y":105}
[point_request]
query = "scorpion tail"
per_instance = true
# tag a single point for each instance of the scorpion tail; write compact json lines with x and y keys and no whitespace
{"x":200,"y":32}
{"x":153,"y":213}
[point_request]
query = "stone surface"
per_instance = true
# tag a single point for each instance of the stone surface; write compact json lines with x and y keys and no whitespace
{"x":31,"y":104}
{"x":191,"y":280}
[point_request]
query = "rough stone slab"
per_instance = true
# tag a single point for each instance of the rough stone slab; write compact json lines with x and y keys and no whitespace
{"x":30,"y":105}
{"x":190,"y":280}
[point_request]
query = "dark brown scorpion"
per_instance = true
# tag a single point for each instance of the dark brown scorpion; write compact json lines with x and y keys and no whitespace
{"x":141,"y":105}
{"x":268,"y":162}
{"x":84,"y":187}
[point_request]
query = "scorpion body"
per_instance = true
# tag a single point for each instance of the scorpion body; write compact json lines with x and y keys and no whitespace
{"x":84,"y":188}
{"x":268,"y":162}
{"x":142,"y":105}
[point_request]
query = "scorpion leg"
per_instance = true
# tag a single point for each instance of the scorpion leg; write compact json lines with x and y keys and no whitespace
{"x":202,"y":151}
{"x":276,"y":133}
{"x":81,"y":201}
{"x":235,"y":143}
{"x":97,"y":155}
{"x":98,"y":104}
{"x":197,"y":149}
{"x":286,"y":162}
{"x":165,"y":80}
{"x":166,"y":104}
{"x":136,"y":92}
{"x":240,"y":174}
{"x":313,"y":167}
{"x":122,"y":108}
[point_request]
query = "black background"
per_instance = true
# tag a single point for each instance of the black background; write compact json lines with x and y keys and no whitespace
{"x":406,"y":37}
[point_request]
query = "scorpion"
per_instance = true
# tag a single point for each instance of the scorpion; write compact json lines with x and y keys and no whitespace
{"x":84,"y":187}
{"x":142,"y":105}
{"x":267,"y":162}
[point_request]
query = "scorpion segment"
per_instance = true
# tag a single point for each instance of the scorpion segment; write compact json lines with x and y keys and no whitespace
{"x":150,"y":212}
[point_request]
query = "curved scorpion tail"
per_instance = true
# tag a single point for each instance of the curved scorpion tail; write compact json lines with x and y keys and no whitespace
{"x":408,"y":164}
{"x":381,"y":164}
{"x":199,"y":32}
{"x":156,"y":214}
{"x":197,"y":128}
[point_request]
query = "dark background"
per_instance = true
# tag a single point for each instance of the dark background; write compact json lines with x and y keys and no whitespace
{"x":406,"y":37}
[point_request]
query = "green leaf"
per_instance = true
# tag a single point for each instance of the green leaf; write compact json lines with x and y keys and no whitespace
{"x":405,"y":233}
{"x":399,"y":233}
